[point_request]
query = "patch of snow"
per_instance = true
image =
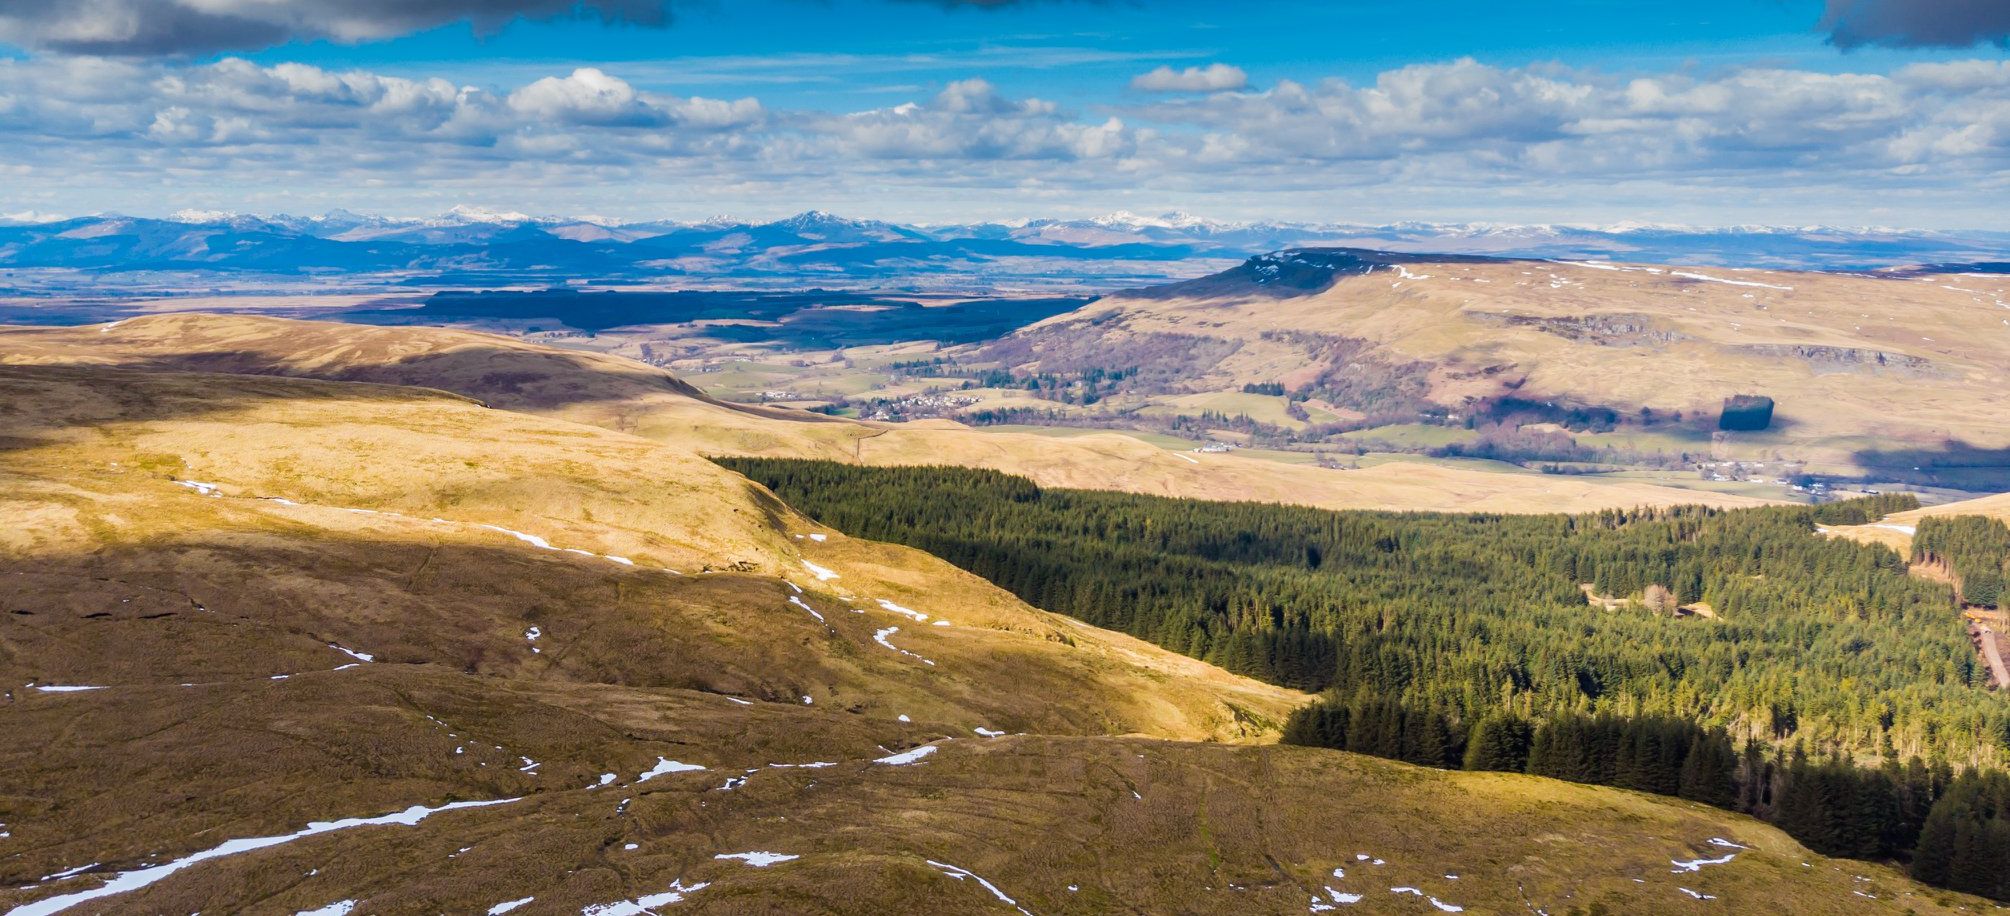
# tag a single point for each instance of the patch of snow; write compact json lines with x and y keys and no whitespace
{"x":905,"y":758}
{"x":740,"y":701}
{"x":1186,"y":458}
{"x":798,"y":602}
{"x":758,"y":859}
{"x":1907,"y":530}
{"x":940,"y":623}
{"x":807,"y":701}
{"x":1694,"y":865}
{"x":621,"y":560}
{"x":1341,"y":897}
{"x":1695,"y":276}
{"x":338,"y":908}
{"x":645,"y":905}
{"x":64,"y":688}
{"x":1446,"y":907}
{"x":880,"y":637}
{"x":918,"y":616}
{"x":663,"y":767}
{"x":988,"y":733}
{"x":508,"y":905}
{"x":206,"y":489}
{"x":1406,"y":890}
{"x":67,"y":873}
{"x":605,"y":779}
{"x":960,"y":874}
{"x":1697,"y":895}
{"x":823,"y":574}
{"x":125,"y":882}
{"x":904,"y":718}
{"x":352,"y":653}
{"x":819,"y":538}
{"x":531,"y":539}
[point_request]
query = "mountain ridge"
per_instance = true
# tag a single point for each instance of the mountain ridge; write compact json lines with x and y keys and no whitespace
{"x":1118,"y":250}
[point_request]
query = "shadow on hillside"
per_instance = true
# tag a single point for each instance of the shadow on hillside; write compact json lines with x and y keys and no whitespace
{"x":41,"y":404}
{"x":506,"y":378}
{"x":1954,"y":464}
{"x":811,"y":319}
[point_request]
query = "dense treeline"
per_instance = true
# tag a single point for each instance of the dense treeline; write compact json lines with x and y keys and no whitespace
{"x":1975,"y":549}
{"x":1834,"y":806}
{"x":1821,"y":641}
{"x":1574,"y":647}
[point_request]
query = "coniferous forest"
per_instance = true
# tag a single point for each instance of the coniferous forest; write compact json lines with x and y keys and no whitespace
{"x":1732,"y":657}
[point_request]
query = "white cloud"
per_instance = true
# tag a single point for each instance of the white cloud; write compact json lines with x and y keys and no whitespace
{"x":1548,"y":121}
{"x":1211,"y":78}
{"x":1931,"y":135}
{"x":970,"y":119}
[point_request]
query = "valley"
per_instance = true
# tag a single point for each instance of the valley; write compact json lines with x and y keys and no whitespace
{"x":250,"y":615}
{"x":871,"y":458}
{"x":1544,"y":376}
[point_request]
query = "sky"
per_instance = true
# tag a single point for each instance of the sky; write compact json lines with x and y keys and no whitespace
{"x":1702,"y":112}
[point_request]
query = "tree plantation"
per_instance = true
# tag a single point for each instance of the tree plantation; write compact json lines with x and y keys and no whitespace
{"x":1972,"y":549}
{"x":1733,"y":657}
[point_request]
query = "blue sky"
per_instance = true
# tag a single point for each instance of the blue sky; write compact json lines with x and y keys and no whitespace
{"x":1707,"y":112}
{"x":1078,"y":51}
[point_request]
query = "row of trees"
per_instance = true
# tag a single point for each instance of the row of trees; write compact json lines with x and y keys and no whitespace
{"x":1973,"y":548}
{"x":1817,"y":640}
{"x":1955,"y":830}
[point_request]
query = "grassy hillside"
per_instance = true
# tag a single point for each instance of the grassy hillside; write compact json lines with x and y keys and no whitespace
{"x":1379,"y":332}
{"x":253,"y":622}
{"x":618,"y":394}
{"x":415,"y":525}
{"x":1896,"y":530}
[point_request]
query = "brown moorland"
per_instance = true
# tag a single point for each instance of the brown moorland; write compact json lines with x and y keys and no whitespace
{"x":349,"y":642}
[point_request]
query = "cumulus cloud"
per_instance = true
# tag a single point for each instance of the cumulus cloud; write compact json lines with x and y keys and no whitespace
{"x":590,"y":97}
{"x":1549,"y":121}
{"x":123,"y":123}
{"x":163,"y":27}
{"x":1917,"y":23}
{"x":970,"y":119}
{"x":1211,"y":78}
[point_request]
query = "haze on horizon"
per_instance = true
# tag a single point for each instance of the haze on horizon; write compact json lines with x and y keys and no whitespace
{"x":1850,"y":112}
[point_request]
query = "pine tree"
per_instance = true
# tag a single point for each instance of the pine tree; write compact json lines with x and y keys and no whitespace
{"x":1498,"y":742}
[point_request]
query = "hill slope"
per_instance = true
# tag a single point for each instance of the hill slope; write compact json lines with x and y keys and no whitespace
{"x":1896,"y":530}
{"x":1377,"y":331}
{"x":282,"y":644}
{"x":619,"y":394}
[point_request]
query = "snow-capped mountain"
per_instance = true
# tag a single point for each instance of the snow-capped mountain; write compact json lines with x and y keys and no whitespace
{"x":469,"y":244}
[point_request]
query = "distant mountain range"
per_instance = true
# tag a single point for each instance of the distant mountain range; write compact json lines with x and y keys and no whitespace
{"x":474,"y":246}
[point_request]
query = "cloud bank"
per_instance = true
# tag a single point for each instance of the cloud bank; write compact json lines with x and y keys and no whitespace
{"x":1448,"y":128}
